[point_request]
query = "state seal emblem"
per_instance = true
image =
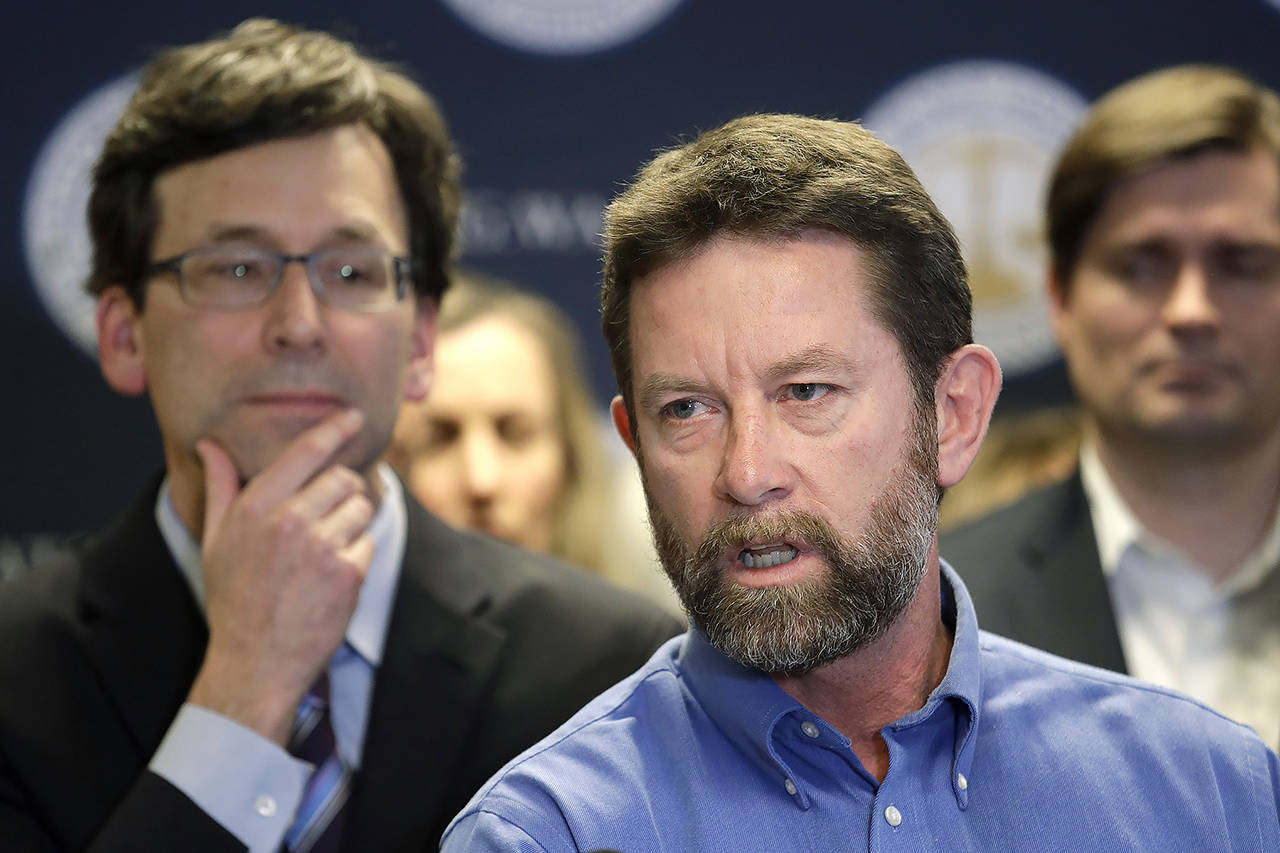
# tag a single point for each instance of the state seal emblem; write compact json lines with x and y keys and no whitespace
{"x":982,"y":137}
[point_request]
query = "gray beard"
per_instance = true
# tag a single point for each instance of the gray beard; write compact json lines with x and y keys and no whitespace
{"x":793,"y":629}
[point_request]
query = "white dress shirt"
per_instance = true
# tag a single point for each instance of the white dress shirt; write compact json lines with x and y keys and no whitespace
{"x":1218,"y":642}
{"x":248,"y":783}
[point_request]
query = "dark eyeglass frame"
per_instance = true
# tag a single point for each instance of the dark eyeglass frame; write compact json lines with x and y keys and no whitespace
{"x":404,"y":270}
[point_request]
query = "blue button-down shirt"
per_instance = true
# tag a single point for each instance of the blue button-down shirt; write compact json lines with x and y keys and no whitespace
{"x":1014,"y":750}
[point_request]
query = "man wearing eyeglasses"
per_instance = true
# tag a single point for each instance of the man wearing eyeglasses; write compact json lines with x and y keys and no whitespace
{"x":275,"y":648}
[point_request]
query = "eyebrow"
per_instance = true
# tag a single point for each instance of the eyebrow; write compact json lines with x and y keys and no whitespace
{"x":659,"y":385}
{"x":808,"y":360}
{"x":358,"y":232}
{"x":1162,"y":242}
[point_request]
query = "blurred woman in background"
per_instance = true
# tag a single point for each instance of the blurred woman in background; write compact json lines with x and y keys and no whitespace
{"x":508,"y":441}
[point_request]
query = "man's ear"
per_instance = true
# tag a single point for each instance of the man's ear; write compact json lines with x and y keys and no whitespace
{"x":964,"y":399}
{"x":622,"y":423}
{"x":421,"y":368}
{"x":120,"y":344}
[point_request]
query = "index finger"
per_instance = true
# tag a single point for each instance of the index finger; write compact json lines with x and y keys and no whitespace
{"x":309,"y":453}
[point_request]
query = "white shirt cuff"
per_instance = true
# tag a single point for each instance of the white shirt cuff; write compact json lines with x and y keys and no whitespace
{"x":247,"y":783}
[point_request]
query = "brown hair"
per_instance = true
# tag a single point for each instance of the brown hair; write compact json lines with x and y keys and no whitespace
{"x":1161,"y":116}
{"x":775,"y":176}
{"x":580,"y":517}
{"x":263,"y":81}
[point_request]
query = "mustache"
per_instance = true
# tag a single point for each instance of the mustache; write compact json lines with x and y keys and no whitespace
{"x":795,"y":527}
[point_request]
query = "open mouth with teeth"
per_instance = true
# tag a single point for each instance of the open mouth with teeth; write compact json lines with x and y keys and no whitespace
{"x":767,"y":556}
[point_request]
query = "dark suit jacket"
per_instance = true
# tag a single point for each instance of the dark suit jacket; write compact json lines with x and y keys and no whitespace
{"x":1032,"y":569}
{"x":488,"y":649}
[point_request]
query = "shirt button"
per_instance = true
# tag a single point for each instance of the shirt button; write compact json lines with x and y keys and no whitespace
{"x":791,"y":787}
{"x":893,"y":816}
{"x":265,"y":805}
{"x":809,"y":728}
{"x":962,"y":782}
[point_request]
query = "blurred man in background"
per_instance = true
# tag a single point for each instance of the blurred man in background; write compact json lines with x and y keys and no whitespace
{"x":275,"y":648}
{"x":1158,"y":556}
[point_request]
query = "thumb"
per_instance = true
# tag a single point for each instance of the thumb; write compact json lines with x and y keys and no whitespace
{"x":221,"y":485}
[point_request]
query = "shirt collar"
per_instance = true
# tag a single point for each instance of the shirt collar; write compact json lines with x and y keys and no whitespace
{"x":1117,"y":529}
{"x":745,"y":703}
{"x":367,"y":630}
{"x":748,"y":705}
{"x":1114,"y":526}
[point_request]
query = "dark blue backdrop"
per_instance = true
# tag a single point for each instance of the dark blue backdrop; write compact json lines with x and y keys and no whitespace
{"x":547,"y":137}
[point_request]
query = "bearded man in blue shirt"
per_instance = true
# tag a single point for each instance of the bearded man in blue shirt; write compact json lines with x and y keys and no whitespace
{"x":790,"y":326}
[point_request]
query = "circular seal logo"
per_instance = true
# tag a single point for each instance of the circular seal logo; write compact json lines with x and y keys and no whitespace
{"x":55,"y":233}
{"x":982,"y":137}
{"x":562,"y":27}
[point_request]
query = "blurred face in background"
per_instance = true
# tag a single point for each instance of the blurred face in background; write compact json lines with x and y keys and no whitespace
{"x":1171,"y":321}
{"x":485,"y":450}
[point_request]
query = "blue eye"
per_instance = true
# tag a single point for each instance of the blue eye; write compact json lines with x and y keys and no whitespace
{"x":808,"y":391}
{"x":683,"y":409}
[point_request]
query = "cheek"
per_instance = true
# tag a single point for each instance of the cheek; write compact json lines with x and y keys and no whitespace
{"x":181,"y":371}
{"x":537,"y":474}
{"x":845,"y":481}
{"x":1109,"y":317}
{"x":682,"y":492}
{"x":1254,"y":329}
{"x":378,"y":351}
{"x":434,"y":482}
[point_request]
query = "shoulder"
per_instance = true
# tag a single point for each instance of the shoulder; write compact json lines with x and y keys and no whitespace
{"x":1146,"y":761}
{"x":519,"y":590}
{"x":1092,"y":707}
{"x":68,"y":583}
{"x":1030,"y":515}
{"x":594,"y":763}
{"x":562,"y":635}
{"x":535,"y":584}
{"x":101,"y":600}
{"x":607,"y":736}
{"x":41,"y":605}
{"x":569,"y":634}
{"x":46,"y":659}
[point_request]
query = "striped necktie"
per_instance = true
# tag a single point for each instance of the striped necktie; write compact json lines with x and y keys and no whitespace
{"x":317,"y":826}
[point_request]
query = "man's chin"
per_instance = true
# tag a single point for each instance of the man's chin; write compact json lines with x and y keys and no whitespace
{"x":1194,"y":425}
{"x":771,"y":628}
{"x":253,"y":454}
{"x":780,"y":641}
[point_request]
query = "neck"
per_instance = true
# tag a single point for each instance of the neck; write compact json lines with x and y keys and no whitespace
{"x":1216,"y":507}
{"x":867,"y":690}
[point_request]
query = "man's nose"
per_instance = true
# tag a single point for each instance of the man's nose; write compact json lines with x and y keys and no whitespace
{"x":296,"y":315}
{"x":754,"y":469}
{"x":1189,"y":307}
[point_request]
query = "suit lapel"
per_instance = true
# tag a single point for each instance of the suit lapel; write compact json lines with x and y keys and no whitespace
{"x":1072,"y":615}
{"x":139,"y":623}
{"x":435,"y":672}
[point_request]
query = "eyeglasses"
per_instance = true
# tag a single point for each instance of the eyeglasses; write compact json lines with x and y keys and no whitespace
{"x":229,"y":278}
